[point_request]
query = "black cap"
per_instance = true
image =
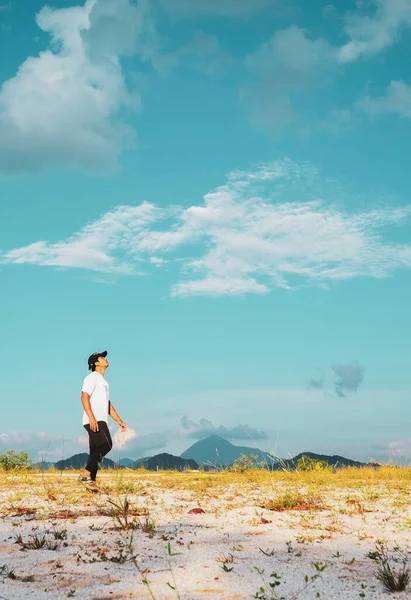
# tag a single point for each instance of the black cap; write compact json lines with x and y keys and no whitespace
{"x":94,"y":358}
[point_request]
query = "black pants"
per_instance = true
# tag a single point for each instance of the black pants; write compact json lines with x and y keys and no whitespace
{"x":100,"y":445}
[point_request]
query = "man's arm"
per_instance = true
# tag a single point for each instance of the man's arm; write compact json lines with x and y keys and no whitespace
{"x":113,"y":414}
{"x":85,"y":400}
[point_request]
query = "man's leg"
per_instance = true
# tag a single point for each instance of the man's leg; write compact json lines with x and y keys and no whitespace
{"x":103,"y":448}
{"x":100,"y":444}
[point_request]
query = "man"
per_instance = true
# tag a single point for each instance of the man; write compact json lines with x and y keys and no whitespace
{"x":95,"y":397}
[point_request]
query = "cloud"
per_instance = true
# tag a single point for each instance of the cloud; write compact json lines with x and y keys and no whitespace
{"x":38,"y":445}
{"x":349,"y":377}
{"x":316,"y":383}
{"x":229,"y":8}
{"x":123,"y":439}
{"x":397,"y":100}
{"x":142,"y":444}
{"x":91,"y":247}
{"x":276,"y":226}
{"x":203,"y":53}
{"x":286,"y":64}
{"x":64,"y":105}
{"x":400,"y":448}
{"x":205,"y":428}
{"x":370,"y":34}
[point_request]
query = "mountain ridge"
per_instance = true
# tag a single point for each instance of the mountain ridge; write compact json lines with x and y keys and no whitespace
{"x":211,"y":452}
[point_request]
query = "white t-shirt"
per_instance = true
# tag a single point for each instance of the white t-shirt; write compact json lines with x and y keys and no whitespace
{"x":98,"y":389}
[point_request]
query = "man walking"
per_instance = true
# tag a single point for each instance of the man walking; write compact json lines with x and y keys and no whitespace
{"x":95,"y":397}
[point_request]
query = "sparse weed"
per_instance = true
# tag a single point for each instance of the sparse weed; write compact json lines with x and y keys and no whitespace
{"x":225,"y":560}
{"x":7,"y":572}
{"x":293,"y":499}
{"x":268,"y":552}
{"x":393,"y":569}
{"x":267,"y":591}
{"x":122,"y":486}
{"x":124,"y":516}
{"x":246,"y":463}
{"x":38,"y":541}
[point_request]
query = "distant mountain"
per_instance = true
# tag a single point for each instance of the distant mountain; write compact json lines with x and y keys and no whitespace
{"x":139,"y":461}
{"x":79,"y":461}
{"x":217,"y":451}
{"x":126,"y":462}
{"x":167,"y":462}
{"x":333,"y":461}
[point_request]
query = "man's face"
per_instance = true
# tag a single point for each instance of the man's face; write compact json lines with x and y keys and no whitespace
{"x":102,"y":362}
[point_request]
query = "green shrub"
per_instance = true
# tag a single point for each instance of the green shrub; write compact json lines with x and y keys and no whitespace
{"x":306,"y":463}
{"x":10,"y":461}
{"x":245,"y":463}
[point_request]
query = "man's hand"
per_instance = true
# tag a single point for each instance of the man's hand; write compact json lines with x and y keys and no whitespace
{"x":93,"y":424}
{"x":122,"y":426}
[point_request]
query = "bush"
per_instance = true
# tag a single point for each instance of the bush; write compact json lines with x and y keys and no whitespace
{"x":306,"y":463}
{"x":245,"y":463}
{"x":14,"y":462}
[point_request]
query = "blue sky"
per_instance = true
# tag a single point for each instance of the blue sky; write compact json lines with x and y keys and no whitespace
{"x":218,"y":194}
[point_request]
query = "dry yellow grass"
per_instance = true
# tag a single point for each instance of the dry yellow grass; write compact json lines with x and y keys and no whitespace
{"x":302,"y":513}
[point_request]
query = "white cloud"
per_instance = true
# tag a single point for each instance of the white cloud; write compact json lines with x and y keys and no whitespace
{"x":287,"y":63}
{"x":370,"y":34}
{"x":64,"y":105}
{"x":276,"y":226}
{"x":205,"y":428}
{"x":400,"y":448}
{"x":38,"y":445}
{"x":92,"y":247}
{"x":121,"y":439}
{"x":196,"y":8}
{"x":397,"y":99}
{"x":218,"y":286}
{"x":290,"y":62}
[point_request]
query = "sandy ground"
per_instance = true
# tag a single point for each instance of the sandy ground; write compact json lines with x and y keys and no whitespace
{"x":94,"y":557}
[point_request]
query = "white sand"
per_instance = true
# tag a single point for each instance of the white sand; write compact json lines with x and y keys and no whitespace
{"x":231,"y":525}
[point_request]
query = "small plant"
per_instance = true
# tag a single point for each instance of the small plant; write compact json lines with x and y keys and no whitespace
{"x":10,"y":461}
{"x":38,"y":541}
{"x":306,"y":463}
{"x":58,"y":534}
{"x":393,"y":569}
{"x":123,"y":516}
{"x":246,"y":463}
{"x":121,"y":513}
{"x":169,"y":552}
{"x":124,"y":487}
{"x":290,"y":548}
{"x":226,"y":560}
{"x":268,"y":590}
{"x":125,"y":552}
{"x":148,"y":525}
{"x":362,"y":592}
{"x":294,"y":500}
{"x":6,"y":571}
{"x":268,"y":587}
{"x":173,"y":587}
{"x":268,"y":552}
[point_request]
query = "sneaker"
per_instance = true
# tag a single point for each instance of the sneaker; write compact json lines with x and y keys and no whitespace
{"x":88,"y":483}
